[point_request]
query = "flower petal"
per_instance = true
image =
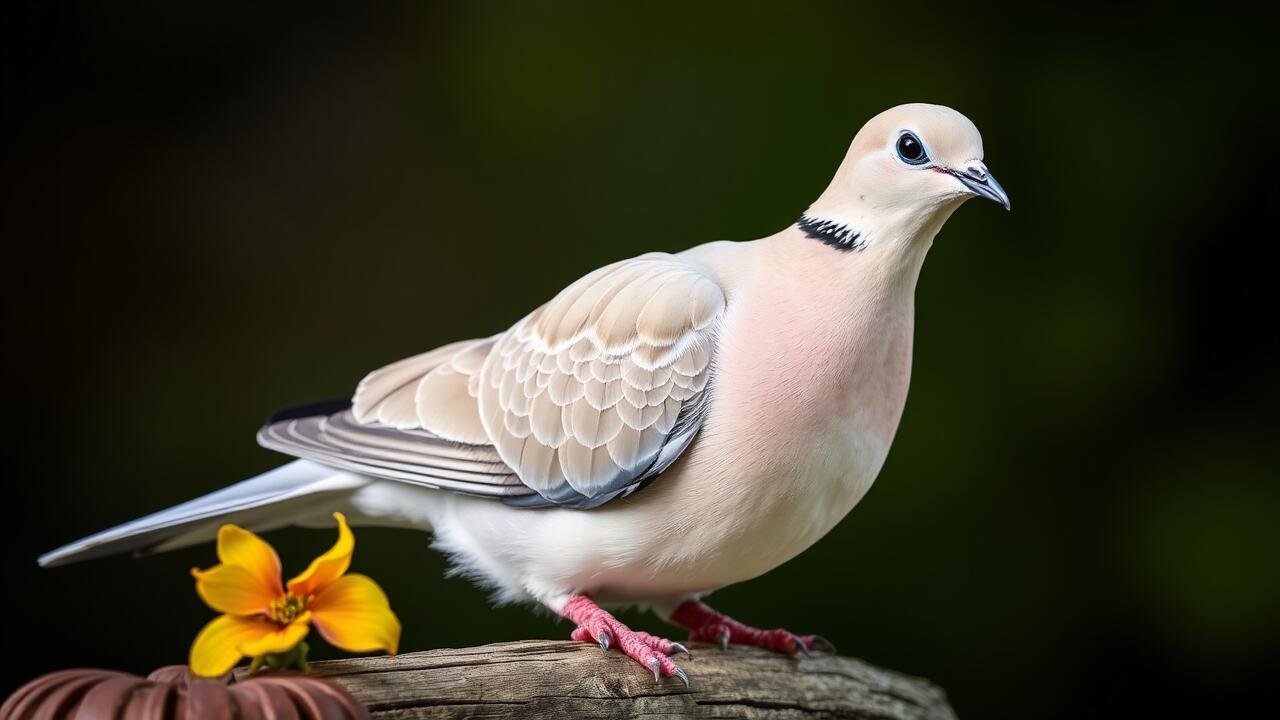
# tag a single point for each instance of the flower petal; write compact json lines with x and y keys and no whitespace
{"x":234,"y":589}
{"x":217,"y":648}
{"x":329,"y":566}
{"x":281,"y":639}
{"x":237,"y":546}
{"x":353,"y":613}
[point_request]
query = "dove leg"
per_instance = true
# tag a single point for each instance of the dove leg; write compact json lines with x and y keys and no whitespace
{"x":595,"y":624}
{"x":707,"y":625}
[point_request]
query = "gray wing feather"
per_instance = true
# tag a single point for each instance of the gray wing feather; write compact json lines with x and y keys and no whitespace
{"x":417,"y":457}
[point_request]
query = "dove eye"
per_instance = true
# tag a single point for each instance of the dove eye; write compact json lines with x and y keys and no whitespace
{"x":911,"y":150}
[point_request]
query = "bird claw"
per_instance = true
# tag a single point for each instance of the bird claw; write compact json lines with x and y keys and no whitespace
{"x":821,"y":643}
{"x":594,"y":624}
{"x":705,"y":624}
{"x":801,"y":648}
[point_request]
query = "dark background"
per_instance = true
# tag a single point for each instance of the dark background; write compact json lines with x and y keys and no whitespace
{"x":211,"y":210}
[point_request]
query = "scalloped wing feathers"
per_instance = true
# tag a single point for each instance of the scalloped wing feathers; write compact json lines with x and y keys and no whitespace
{"x":434,"y":391}
{"x":583,"y":395}
{"x":586,"y":398}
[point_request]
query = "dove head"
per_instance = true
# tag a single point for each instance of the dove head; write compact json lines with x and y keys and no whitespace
{"x":908,"y":168}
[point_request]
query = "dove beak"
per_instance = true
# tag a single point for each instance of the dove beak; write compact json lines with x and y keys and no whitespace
{"x":978,"y":181}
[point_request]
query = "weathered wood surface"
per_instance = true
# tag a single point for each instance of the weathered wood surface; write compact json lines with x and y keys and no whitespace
{"x":564,"y":680}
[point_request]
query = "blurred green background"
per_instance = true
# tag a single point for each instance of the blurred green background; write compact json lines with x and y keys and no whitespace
{"x":213,"y":210}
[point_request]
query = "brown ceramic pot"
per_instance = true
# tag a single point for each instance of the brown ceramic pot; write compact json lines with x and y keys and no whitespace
{"x":173,"y":693}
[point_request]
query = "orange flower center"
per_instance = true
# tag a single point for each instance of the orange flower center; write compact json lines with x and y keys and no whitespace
{"x":286,"y":609}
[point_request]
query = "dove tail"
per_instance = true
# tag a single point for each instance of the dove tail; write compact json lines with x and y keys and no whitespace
{"x":286,"y":495}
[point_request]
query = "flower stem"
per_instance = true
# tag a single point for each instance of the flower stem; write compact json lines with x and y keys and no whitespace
{"x":293,"y":659}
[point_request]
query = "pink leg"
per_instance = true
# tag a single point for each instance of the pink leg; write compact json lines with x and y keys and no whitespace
{"x":707,"y":625}
{"x":596,"y":625}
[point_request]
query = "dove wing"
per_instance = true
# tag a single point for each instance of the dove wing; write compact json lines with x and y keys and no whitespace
{"x":585,"y":399}
{"x":603,"y":387}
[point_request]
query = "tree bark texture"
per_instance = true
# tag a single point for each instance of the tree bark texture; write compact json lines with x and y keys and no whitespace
{"x":562,"y":680}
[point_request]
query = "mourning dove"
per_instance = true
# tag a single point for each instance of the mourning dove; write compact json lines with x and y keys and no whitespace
{"x":663,"y":427}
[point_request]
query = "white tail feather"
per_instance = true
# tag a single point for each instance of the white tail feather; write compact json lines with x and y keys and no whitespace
{"x":273,"y":499}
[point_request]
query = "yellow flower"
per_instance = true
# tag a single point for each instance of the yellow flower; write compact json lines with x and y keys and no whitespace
{"x":263,"y":618}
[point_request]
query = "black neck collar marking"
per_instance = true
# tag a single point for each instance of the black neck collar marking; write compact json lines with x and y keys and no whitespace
{"x":838,"y":235}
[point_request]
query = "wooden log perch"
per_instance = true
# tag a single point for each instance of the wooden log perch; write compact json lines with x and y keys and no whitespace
{"x":564,"y":680}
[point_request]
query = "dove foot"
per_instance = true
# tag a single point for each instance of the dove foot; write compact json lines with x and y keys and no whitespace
{"x":706,"y":625}
{"x":597,"y":625}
